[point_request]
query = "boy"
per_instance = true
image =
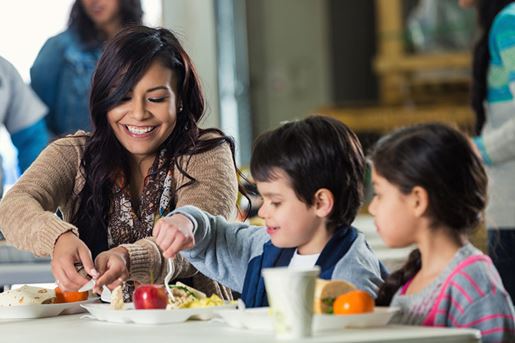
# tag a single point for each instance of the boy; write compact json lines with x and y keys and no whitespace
{"x":310,"y":175}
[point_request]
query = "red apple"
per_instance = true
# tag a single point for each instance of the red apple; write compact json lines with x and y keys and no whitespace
{"x":147,"y":297}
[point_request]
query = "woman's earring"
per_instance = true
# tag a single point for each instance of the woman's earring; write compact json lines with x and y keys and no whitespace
{"x":180,"y":108}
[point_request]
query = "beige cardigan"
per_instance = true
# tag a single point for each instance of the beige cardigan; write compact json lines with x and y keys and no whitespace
{"x":28,"y":220}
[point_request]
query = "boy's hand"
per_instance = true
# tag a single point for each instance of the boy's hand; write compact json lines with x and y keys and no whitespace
{"x":173,"y":234}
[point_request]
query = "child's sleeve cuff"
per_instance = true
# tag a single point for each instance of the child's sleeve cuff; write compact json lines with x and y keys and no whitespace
{"x":185,"y":213}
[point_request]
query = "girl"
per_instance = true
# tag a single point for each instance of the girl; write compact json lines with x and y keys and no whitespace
{"x":145,"y":157}
{"x":430,"y":190}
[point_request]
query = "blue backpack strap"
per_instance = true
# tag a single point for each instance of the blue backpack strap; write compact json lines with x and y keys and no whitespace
{"x":250,"y":284}
{"x":254,"y":292}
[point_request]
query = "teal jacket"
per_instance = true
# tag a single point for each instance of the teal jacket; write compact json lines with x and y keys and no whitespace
{"x":61,"y":76}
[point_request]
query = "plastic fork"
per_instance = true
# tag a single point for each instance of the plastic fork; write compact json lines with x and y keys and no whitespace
{"x":171,"y":270}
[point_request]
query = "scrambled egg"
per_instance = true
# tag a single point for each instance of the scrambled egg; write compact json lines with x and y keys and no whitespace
{"x":188,"y":297}
{"x":213,"y":300}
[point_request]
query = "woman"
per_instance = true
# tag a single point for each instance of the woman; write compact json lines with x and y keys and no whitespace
{"x":493,"y":100}
{"x":145,"y":157}
{"x":61,"y":73}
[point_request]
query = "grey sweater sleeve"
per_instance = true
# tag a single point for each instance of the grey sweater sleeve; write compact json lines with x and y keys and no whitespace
{"x":222,"y":250}
{"x":360,"y":266}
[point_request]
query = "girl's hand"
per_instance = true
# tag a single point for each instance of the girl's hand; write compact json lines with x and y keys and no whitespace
{"x":113,"y":267}
{"x":70,"y":251}
{"x":173,"y":234}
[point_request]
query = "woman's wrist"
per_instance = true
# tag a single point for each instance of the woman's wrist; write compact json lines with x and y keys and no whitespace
{"x":123,"y":253}
{"x":65,"y":235}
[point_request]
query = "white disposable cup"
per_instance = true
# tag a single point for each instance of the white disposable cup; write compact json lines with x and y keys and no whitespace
{"x":290,"y":294}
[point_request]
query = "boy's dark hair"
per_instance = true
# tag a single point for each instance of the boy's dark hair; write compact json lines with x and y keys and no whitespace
{"x":441,"y":160}
{"x":317,"y":152}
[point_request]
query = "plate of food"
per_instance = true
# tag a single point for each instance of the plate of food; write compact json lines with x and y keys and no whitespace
{"x":152,"y":304}
{"x":37,"y":302}
{"x":337,"y":305}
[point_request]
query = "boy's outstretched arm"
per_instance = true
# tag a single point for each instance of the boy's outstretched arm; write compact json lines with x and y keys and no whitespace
{"x":218,"y":249}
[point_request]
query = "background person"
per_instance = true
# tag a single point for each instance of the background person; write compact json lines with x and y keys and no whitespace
{"x":22,"y":114}
{"x":493,"y":100}
{"x":61,"y":74}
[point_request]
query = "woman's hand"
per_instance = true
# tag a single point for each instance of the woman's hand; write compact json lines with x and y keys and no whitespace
{"x":174,"y":234}
{"x":113,"y":267}
{"x":70,"y":250}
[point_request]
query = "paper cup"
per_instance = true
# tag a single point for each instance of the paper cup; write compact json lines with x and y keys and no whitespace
{"x":290,"y":295}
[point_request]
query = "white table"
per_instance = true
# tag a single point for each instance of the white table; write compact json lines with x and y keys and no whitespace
{"x":74,"y":329}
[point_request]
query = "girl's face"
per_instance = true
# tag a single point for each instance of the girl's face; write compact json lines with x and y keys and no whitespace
{"x":289,"y":221}
{"x":147,"y":115}
{"x":394,"y":218}
{"x":102,"y":12}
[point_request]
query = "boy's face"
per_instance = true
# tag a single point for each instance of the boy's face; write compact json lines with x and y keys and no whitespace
{"x":392,"y":215}
{"x":147,"y":115}
{"x":289,"y":221}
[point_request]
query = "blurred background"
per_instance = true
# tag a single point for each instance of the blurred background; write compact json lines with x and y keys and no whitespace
{"x":375,"y":65}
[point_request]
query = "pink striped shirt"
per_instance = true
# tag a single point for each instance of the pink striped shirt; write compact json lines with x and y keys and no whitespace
{"x":468,"y":294}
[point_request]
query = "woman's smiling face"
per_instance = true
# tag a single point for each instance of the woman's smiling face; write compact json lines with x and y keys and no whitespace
{"x":146,"y":117}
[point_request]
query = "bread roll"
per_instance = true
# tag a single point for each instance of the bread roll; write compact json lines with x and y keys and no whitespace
{"x":325,"y":293}
{"x":117,"y":302}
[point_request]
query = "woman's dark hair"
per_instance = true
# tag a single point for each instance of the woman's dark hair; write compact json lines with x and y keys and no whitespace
{"x":131,"y":13}
{"x":486,"y":11}
{"x":439,"y":159}
{"x":125,"y":60}
{"x":317,"y":152}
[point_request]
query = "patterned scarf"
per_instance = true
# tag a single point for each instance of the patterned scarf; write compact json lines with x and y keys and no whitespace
{"x":130,"y":222}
